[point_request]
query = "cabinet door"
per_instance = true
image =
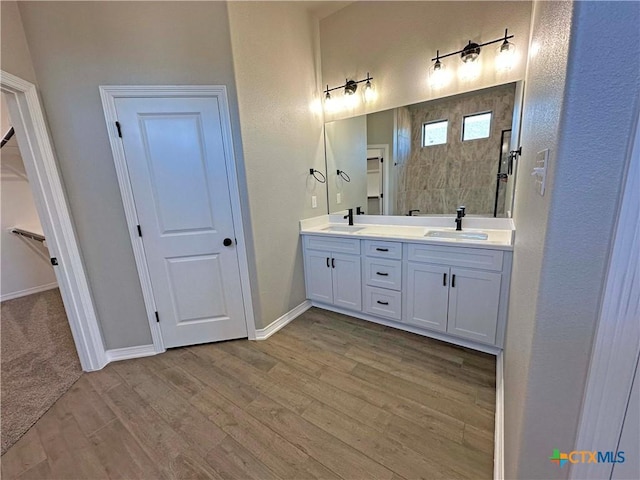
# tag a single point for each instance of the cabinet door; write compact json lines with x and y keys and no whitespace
{"x":347,"y":281}
{"x":427,"y":295}
{"x":318,"y":276}
{"x":473,"y":304}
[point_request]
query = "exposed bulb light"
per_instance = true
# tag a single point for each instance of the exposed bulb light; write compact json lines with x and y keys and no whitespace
{"x":438,"y":75}
{"x":506,"y":55}
{"x":368,"y":91}
{"x":330,"y":104}
{"x":470,"y":53}
{"x":470,"y":70}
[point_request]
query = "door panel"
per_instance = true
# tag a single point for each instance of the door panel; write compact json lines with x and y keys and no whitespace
{"x":318,"y":276}
{"x":473,"y":304}
{"x":176,"y":162}
{"x":347,"y":281}
{"x":427,"y":295}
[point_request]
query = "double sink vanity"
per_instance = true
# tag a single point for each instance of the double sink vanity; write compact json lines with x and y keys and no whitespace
{"x":414,"y":273}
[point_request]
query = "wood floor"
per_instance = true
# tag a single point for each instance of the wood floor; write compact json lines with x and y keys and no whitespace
{"x":328,"y":396}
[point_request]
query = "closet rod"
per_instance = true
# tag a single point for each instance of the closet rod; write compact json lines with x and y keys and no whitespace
{"x":25,"y":233}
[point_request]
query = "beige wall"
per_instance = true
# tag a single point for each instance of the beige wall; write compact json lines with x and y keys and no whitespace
{"x":274,"y":49}
{"x":77,"y":46}
{"x":14,"y":51}
{"x":395,"y":42}
{"x":586,"y":118}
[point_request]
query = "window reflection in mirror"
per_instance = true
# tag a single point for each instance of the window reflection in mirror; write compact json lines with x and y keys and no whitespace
{"x":440,"y":154}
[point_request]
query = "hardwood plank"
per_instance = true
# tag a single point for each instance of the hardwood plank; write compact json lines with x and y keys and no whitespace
{"x":478,"y":439}
{"x":466,"y":412}
{"x":341,"y":458}
{"x":37,"y":472}
{"x":243,"y":350}
{"x":25,"y":454}
{"x":120,"y":453}
{"x":87,"y":406}
{"x":69,"y":452}
{"x":270,"y":448}
{"x":231,"y":460}
{"x":237,"y":368}
{"x":386,"y":451}
{"x":195,"y":428}
{"x":104,"y":379}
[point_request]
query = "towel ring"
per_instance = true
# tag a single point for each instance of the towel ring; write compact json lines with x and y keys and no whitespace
{"x":344,"y":175}
{"x":313,"y":171}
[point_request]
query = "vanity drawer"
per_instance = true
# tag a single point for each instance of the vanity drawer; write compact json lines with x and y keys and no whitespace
{"x":378,"y":248}
{"x":456,"y":256}
{"x":384,"y":273}
{"x":382,"y":302}
{"x":332,"y":244}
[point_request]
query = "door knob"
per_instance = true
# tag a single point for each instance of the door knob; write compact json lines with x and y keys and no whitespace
{"x":227,"y":242}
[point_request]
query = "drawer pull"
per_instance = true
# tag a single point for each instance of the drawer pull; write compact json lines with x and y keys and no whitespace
{"x":382,"y":274}
{"x":453,"y":281}
{"x":444,"y":279}
{"x":382,"y":249}
{"x":383,"y":303}
{"x":333,"y":263}
{"x":327,"y":262}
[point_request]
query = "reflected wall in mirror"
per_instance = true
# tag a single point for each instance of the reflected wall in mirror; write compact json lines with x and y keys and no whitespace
{"x":428,"y":157}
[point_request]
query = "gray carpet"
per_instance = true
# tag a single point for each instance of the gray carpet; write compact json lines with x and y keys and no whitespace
{"x":38,"y":360}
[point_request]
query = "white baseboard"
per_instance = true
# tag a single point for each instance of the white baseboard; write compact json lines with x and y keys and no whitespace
{"x":130,"y":352}
{"x":273,"y":327}
{"x":498,"y":453}
{"x":28,"y":291}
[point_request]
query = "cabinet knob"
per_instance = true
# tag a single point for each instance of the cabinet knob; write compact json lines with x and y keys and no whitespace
{"x":227,"y":242}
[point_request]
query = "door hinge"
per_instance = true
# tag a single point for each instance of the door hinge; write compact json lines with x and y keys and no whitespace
{"x":381,"y":160}
{"x":119,"y":129}
{"x":139,"y":231}
{"x":54,"y":261}
{"x":382,"y":195}
{"x":157,"y":318}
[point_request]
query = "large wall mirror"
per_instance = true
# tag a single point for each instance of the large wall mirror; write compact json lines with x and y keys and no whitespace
{"x":428,"y":158}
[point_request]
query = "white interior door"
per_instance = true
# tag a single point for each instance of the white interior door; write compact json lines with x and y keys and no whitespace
{"x":176,"y":161}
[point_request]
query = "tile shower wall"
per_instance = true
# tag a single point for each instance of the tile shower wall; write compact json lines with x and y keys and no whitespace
{"x":438,"y":178}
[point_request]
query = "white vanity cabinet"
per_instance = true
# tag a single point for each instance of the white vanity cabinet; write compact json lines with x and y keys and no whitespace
{"x":455,"y":290}
{"x":332,"y":271}
{"x":454,"y":293}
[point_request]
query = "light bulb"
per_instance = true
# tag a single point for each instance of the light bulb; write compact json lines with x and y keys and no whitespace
{"x":330,"y":103}
{"x":438,"y":75}
{"x":470,"y":70}
{"x":369,"y":92}
{"x":505,"y":56}
{"x":350,"y":100}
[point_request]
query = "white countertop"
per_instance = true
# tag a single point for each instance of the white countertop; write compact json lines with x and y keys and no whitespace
{"x":500,"y":231}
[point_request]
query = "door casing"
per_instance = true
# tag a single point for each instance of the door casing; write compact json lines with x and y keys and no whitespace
{"x":108,"y":94}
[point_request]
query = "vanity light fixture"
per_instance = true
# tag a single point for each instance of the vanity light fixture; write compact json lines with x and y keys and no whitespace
{"x":470,"y":57}
{"x":350,"y":88}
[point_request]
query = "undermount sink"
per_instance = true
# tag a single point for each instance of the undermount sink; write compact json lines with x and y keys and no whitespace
{"x":457,"y":234}
{"x":342,"y":229}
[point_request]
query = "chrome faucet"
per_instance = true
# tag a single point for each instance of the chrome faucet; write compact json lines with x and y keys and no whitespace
{"x":349,"y":216}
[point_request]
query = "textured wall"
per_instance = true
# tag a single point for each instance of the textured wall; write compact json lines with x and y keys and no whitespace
{"x":395,"y":42}
{"x":14,"y":51}
{"x":77,"y":46}
{"x":438,"y":178}
{"x":274,"y":44}
{"x":586,"y":116}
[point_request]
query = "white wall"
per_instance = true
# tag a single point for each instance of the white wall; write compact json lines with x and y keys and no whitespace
{"x":274,"y":47}
{"x":77,"y":46}
{"x":585,"y":115}
{"x":395,"y":42}
{"x":25,"y":266}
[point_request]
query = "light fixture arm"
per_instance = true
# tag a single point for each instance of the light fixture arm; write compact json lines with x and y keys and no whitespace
{"x":349,"y":83}
{"x":477,"y":46}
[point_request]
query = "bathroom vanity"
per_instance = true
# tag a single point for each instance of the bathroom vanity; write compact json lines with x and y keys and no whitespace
{"x":414,"y":273}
